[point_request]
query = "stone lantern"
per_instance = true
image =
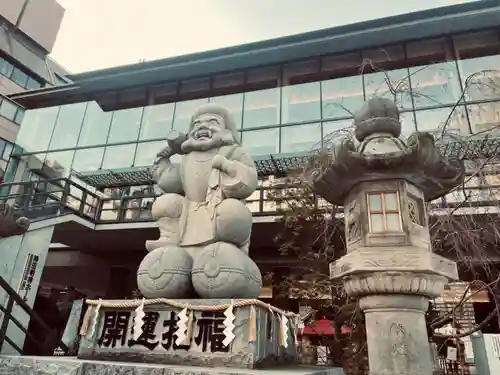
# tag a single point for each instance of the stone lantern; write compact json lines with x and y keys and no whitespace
{"x":383,"y":185}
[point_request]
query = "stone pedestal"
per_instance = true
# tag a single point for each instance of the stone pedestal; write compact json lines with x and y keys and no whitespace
{"x":396,"y":334}
{"x":259,"y":338}
{"x":73,"y":366}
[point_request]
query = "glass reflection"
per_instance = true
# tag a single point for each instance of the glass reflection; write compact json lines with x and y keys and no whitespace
{"x":300,"y":103}
{"x":157,"y":121}
{"x":261,"y":108}
{"x":88,"y":159}
{"x":393,"y":85}
{"x":481,"y":77}
{"x":335,"y":131}
{"x":234,"y":104}
{"x":484,"y":117}
{"x":59,"y":163}
{"x":300,"y":138}
{"x":342,"y":97}
{"x":184,"y":111}
{"x":95,"y":126}
{"x":119,"y":156}
{"x":146,"y":153}
{"x":125,"y":125}
{"x":68,"y":124}
{"x":435,"y":84}
{"x":261,"y":142}
{"x":443,"y":121}
{"x":36,"y":129}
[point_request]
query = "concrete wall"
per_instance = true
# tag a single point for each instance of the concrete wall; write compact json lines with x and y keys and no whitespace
{"x":15,"y":251}
{"x":40,"y":20}
{"x":11,"y":10}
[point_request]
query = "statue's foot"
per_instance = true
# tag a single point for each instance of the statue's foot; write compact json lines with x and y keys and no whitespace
{"x":222,"y":270}
{"x":165,"y":272}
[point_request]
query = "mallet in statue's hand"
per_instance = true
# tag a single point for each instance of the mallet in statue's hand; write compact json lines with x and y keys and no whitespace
{"x":174,"y":144}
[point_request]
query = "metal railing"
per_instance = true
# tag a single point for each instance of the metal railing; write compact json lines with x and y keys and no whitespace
{"x":13,"y":299}
{"x":41,"y":199}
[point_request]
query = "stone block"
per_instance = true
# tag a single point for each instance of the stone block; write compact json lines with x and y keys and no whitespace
{"x":398,"y":259}
{"x":72,"y":366}
{"x":112,"y":337}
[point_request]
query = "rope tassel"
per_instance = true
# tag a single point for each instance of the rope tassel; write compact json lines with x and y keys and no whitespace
{"x":86,"y":321}
{"x":252,"y":325}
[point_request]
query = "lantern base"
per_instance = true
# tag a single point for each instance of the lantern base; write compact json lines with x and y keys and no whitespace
{"x":217,"y":333}
{"x":70,"y":365}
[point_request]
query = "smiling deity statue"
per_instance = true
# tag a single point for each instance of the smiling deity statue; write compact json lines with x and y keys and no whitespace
{"x":204,"y":224}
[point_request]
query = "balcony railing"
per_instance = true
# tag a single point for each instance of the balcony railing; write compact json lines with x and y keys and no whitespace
{"x":12,"y":299}
{"x":42,"y":199}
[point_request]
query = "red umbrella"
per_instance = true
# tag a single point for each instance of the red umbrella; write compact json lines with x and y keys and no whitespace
{"x":323,"y":327}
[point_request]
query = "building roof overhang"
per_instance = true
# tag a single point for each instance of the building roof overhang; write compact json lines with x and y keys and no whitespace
{"x":412,"y":26}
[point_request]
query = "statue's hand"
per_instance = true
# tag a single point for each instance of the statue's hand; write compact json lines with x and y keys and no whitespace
{"x":219,"y":161}
{"x":166,"y":153}
{"x":223,"y":164}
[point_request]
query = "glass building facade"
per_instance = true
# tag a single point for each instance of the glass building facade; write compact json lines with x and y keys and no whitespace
{"x":451,"y":82}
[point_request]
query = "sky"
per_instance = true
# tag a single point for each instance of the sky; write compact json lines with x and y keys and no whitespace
{"x":97,"y":34}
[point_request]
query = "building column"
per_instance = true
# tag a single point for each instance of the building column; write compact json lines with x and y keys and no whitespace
{"x":22,"y":262}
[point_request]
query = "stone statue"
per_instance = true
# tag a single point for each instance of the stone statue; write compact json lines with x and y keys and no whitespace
{"x":204,"y":224}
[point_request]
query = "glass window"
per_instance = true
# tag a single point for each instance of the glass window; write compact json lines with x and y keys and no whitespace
{"x":342,"y":97}
{"x":116,"y":157}
{"x":453,"y":121}
{"x":261,"y":108}
{"x":95,"y":126}
{"x":36,"y":129}
{"x":481,"y":77}
{"x":157,"y":121}
{"x":60,"y":162}
{"x":484,"y":117}
{"x":33,"y":84}
{"x":19,"y":116}
{"x":301,"y":103}
{"x":125,"y":125}
{"x":393,"y":84}
{"x":183,"y":113}
{"x":300,"y":138}
{"x":335,"y":131}
{"x":384,"y":213}
{"x":261,"y":142}
{"x":8,"y":109}
{"x":234,"y":104}
{"x":435,"y":84}
{"x":6,"y":67}
{"x":7,"y":151}
{"x":88,"y":159}
{"x":68,"y":126}
{"x":146,"y":153}
{"x":19,"y":77}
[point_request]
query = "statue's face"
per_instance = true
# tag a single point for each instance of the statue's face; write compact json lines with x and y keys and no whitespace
{"x":208,"y":131}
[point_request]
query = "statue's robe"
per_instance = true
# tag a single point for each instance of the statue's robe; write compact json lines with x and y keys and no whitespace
{"x":205,"y":187}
